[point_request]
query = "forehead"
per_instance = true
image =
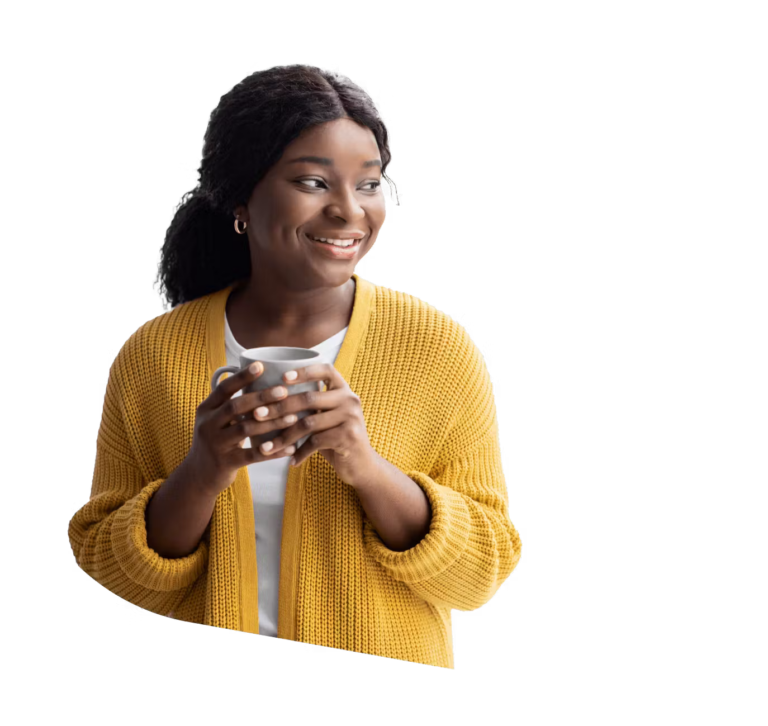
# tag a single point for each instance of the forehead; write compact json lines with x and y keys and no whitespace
{"x":341,"y":140}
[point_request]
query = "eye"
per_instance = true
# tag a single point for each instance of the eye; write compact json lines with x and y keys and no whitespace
{"x":320,"y":181}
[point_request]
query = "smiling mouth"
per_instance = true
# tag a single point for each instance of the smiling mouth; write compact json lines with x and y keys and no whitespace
{"x":342,"y":247}
{"x":335,"y":252}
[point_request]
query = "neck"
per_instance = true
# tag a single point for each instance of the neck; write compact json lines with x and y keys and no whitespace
{"x":271,"y":304}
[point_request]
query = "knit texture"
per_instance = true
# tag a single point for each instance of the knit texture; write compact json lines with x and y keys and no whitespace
{"x":429,"y":409}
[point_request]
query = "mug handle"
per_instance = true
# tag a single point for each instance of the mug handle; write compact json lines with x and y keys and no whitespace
{"x":220,"y":372}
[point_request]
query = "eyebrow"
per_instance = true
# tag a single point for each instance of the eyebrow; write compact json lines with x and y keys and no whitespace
{"x":325,"y":161}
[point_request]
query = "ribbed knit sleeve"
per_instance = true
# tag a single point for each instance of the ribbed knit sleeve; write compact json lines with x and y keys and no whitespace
{"x":471,"y":546}
{"x":108,"y":535}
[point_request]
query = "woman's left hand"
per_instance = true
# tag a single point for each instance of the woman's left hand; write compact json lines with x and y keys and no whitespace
{"x":336,"y":424}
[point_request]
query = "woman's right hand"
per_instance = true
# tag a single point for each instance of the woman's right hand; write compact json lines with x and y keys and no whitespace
{"x":222,"y":423}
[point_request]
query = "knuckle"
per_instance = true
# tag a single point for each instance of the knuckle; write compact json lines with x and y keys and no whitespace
{"x":307,"y":423}
{"x":202,"y":426}
{"x":263,"y":398}
{"x":310,"y":398}
{"x":231,"y":407}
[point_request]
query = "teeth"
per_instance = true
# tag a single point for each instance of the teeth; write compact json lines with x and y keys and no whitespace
{"x":336,"y":242}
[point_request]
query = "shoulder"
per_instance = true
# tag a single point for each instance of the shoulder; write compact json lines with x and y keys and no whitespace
{"x":405,"y":318}
{"x":178,"y":331}
{"x":422,"y":317}
{"x":435,"y":351}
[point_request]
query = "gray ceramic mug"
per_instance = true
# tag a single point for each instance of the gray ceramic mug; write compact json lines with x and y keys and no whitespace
{"x":276,"y":361}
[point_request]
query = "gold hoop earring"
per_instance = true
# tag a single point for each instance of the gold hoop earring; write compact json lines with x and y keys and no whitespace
{"x":237,"y":229}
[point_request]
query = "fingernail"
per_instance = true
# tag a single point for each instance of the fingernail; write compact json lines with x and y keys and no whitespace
{"x":267,"y":446}
{"x":290,"y":449}
{"x":293,"y":461}
{"x":262,"y":411}
{"x":280,"y":391}
{"x":290,"y":375}
{"x":254,"y":367}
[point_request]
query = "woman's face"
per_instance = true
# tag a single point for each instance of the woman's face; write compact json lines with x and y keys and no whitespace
{"x":338,"y":194}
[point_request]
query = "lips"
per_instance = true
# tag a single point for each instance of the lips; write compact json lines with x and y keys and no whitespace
{"x":334,"y":252}
{"x":326,"y":240}
{"x":342,"y":234}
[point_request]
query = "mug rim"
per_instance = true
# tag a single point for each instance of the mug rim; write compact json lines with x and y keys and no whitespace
{"x":308,"y":353}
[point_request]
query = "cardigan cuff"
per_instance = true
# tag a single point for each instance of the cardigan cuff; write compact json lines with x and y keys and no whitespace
{"x":443,"y":544}
{"x":141,"y":563}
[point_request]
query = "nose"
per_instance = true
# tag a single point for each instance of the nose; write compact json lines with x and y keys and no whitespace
{"x":346,"y":206}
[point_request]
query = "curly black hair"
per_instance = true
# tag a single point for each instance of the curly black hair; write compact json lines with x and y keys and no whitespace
{"x":246,"y":135}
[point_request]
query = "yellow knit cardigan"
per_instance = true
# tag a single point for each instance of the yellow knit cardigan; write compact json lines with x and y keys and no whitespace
{"x":429,"y":410}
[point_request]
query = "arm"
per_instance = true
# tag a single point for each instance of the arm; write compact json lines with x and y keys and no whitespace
{"x":472,"y":546}
{"x":108,"y":534}
{"x":395,"y":504}
{"x":178,"y":514}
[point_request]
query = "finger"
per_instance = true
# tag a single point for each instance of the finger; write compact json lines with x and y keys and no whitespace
{"x":236,"y":433}
{"x":324,"y":372}
{"x":233,"y":383}
{"x":243,"y":406}
{"x":246,"y":456}
{"x":307,"y":401}
{"x":306,"y":450}
{"x":329,"y":439}
{"x":311,"y":424}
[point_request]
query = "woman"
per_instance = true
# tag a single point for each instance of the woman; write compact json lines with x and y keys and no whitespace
{"x":396,"y":509}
